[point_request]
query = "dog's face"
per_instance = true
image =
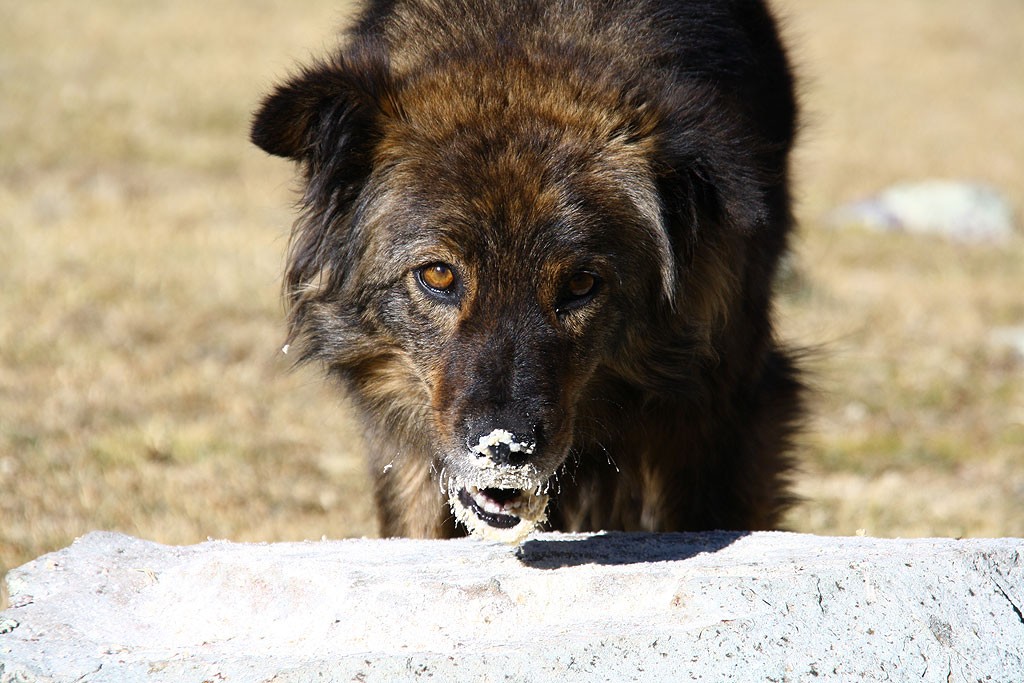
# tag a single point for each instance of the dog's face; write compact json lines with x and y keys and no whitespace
{"x":469,"y":259}
{"x":499,"y":262}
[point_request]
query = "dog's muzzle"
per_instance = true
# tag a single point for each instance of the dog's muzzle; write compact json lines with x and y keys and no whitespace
{"x":500,"y":496}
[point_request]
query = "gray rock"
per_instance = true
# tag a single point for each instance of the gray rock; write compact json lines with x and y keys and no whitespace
{"x":961,"y":211}
{"x":1010,"y":339}
{"x":615,"y":607}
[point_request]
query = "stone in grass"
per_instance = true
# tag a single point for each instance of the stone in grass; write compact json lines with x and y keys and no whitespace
{"x":1009,"y":339}
{"x":961,"y":211}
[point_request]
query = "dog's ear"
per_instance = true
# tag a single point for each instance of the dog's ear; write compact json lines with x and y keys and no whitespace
{"x":328,"y":118}
{"x":705,"y":187}
{"x":719,"y":183}
{"x":287,"y":119}
{"x":712,"y":171}
{"x":324,"y":110}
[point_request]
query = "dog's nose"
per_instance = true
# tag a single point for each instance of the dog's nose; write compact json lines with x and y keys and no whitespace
{"x":503,"y":454}
{"x":505,"y":448}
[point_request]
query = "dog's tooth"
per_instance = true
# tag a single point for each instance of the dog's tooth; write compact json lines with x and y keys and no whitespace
{"x":484,"y":501}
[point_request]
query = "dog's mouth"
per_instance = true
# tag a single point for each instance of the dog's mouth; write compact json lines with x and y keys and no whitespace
{"x":497,"y":490}
{"x":504,"y":514}
{"x":498,"y":507}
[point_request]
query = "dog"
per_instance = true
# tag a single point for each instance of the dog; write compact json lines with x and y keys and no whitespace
{"x":537,"y":247}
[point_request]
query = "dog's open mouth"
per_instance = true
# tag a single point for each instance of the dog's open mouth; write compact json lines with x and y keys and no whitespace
{"x":498,"y":507}
{"x":503,"y":514}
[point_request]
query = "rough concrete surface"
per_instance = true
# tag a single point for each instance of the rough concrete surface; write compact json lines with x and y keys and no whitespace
{"x":615,"y":607}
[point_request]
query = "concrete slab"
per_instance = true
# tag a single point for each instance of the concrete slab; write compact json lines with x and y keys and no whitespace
{"x":615,"y":607}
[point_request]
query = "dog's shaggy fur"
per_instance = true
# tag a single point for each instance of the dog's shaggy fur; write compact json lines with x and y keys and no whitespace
{"x":537,"y":249}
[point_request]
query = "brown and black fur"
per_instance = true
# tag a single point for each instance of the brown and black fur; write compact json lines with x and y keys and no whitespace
{"x":521,"y":142}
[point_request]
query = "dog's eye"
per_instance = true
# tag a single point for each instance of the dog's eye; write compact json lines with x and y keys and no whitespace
{"x":438,"y":277}
{"x":581,"y":284}
{"x":579,"y":289}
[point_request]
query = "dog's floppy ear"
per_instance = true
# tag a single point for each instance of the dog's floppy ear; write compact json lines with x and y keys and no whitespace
{"x":327,"y":118}
{"x":287,"y":119}
{"x":325,"y":108}
{"x":712,"y":171}
{"x":706,"y":187}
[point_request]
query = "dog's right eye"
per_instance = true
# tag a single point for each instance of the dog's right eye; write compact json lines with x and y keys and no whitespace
{"x":437,"y":278}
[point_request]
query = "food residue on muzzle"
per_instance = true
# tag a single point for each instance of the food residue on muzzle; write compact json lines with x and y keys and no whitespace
{"x":500,"y":512}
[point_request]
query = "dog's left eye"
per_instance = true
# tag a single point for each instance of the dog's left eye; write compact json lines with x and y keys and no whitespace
{"x":581,"y":284}
{"x":578,"y":290}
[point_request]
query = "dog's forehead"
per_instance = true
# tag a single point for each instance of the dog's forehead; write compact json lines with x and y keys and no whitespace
{"x":520,"y":164}
{"x":516,"y":133}
{"x":522,"y":180}
{"x":513,"y":207}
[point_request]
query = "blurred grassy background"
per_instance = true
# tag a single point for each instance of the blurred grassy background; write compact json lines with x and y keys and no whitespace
{"x":142,"y":238}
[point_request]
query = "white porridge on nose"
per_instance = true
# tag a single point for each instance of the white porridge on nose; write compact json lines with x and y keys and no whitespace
{"x":502,"y":436}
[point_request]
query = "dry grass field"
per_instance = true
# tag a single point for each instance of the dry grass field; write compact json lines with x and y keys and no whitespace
{"x":142,"y":238}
